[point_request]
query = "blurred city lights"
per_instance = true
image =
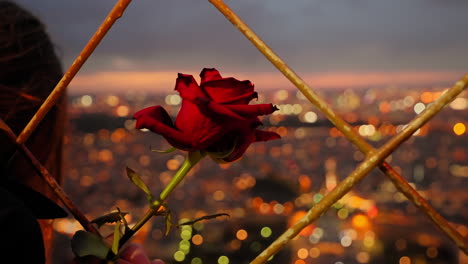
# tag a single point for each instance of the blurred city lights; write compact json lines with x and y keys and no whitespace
{"x":459,"y":104}
{"x":179,"y":256}
{"x":419,"y":107}
{"x":302,"y":253}
{"x":223,"y":260}
{"x":173,"y":99}
{"x":86,"y":100}
{"x":122,"y":110}
{"x":241,"y":234}
{"x":459,"y":129}
{"x":266,"y":232}
{"x":197,"y":239}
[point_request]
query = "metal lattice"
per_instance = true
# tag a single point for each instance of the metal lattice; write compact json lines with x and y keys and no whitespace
{"x":374,"y":157}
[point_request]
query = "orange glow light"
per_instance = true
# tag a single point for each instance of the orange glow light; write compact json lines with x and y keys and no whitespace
{"x":360,"y":221}
{"x":459,"y":129}
{"x":241,"y":234}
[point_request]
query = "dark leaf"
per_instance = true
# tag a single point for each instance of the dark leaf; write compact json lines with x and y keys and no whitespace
{"x":135,"y":178}
{"x":88,"y":244}
{"x":109,"y":218}
{"x":168,"y":218}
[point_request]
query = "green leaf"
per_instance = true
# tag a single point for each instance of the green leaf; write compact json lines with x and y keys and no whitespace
{"x":115,"y":243}
{"x":168,"y":218}
{"x":109,"y":218}
{"x":135,"y":178}
{"x":169,"y":150}
{"x":88,"y":244}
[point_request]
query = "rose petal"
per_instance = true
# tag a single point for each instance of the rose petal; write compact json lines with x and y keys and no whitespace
{"x":189,"y":90}
{"x":156,"y":119}
{"x":251,"y":111}
{"x":203,"y":129}
{"x":188,"y":87}
{"x":240,"y":149}
{"x":209,"y":74}
{"x":261,"y":135}
{"x":242,"y":99}
{"x":221,"y":89}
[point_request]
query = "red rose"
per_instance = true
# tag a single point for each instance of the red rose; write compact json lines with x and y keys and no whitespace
{"x":214,"y":117}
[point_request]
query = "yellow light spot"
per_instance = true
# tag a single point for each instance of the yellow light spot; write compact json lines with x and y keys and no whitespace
{"x":314,"y":252}
{"x":310,"y":117}
{"x":299,"y":261}
{"x":144,"y":160}
{"x":179,"y":256}
{"x":118,"y":135}
{"x":173,"y":164}
{"x":302,"y":253}
{"x":112,"y":100}
{"x":360,"y":221}
{"x":197,"y":239}
{"x":278,"y":208}
{"x":86,"y":181}
{"x":405,"y":260}
{"x":266,"y":232}
{"x":459,"y":104}
{"x":264,"y":208}
{"x":105,"y":155}
{"x":282,"y":95}
{"x":459,"y":129}
{"x":343,"y":213}
{"x":186,"y":234}
{"x":86,"y":100}
{"x":419,"y":107}
{"x":218,"y":195}
{"x":241,"y":234}
{"x":122,"y":110}
{"x":223,"y":260}
{"x":362,"y":257}
{"x":427,"y":97}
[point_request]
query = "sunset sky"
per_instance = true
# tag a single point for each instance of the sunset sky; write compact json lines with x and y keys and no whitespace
{"x":330,"y":43}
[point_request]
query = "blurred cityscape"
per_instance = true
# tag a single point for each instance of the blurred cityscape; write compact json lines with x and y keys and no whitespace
{"x":276,"y":182}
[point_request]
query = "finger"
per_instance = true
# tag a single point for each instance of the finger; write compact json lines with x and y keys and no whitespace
{"x":135,"y":254}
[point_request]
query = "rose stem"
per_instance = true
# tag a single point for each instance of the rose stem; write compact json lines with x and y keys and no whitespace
{"x":345,"y":128}
{"x":59,"y":89}
{"x":192,"y":159}
{"x":79,"y":216}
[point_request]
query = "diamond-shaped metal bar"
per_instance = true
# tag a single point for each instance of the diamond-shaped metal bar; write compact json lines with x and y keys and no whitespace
{"x":345,"y":128}
{"x":59,"y":89}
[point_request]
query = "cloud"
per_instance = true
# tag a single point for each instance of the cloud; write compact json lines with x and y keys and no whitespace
{"x":311,"y":35}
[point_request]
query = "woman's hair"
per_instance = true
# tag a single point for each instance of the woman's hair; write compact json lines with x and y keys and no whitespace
{"x":29,"y":70}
